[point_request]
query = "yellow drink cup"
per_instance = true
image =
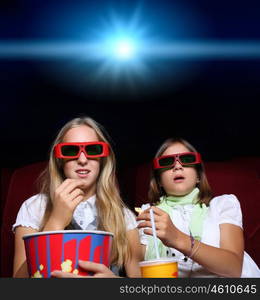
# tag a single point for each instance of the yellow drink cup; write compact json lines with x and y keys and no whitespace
{"x":159,"y":268}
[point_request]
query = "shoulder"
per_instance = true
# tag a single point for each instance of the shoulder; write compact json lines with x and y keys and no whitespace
{"x":33,"y":208}
{"x":227,"y":209}
{"x":130,"y":219}
{"x":128,"y":213}
{"x":224,"y":201}
{"x":37,"y":201}
{"x":31,"y":212}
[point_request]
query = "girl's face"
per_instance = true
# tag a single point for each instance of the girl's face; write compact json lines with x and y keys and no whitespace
{"x":179,"y":180}
{"x":82,"y":167}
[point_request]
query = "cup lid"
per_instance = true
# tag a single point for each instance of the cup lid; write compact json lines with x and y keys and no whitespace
{"x":67,"y":231}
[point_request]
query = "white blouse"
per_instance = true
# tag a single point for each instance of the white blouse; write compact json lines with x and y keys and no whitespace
{"x":222,"y":209}
{"x":32,"y":211}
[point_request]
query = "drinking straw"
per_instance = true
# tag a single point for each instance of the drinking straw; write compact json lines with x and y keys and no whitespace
{"x":154,"y":234}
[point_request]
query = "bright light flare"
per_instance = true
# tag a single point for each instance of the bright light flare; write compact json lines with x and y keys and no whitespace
{"x":124,"y":49}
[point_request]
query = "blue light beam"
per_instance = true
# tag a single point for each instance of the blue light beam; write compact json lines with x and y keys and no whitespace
{"x":126,"y":49}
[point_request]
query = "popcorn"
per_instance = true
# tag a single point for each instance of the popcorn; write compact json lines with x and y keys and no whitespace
{"x":37,"y":274}
{"x":66,"y":266}
{"x":138,"y":210}
{"x":76,"y":271}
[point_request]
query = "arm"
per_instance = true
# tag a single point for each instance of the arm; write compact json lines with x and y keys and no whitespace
{"x":20,"y":265}
{"x":225,"y":261}
{"x":132,"y":264}
{"x":66,"y":198}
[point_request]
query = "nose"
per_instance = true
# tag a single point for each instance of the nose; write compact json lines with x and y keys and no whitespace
{"x":82,"y":159}
{"x":177,"y":165}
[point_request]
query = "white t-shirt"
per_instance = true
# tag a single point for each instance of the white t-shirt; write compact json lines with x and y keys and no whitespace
{"x":32,"y":211}
{"x":222,"y":209}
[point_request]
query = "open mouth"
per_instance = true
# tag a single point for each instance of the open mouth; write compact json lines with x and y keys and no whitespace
{"x":178,"y":178}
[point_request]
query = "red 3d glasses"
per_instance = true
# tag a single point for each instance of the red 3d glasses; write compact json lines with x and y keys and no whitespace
{"x":185,"y":159}
{"x":73,"y":150}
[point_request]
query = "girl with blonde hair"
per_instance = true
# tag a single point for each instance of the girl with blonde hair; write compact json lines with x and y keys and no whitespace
{"x":79,"y":190}
{"x":203,"y":233}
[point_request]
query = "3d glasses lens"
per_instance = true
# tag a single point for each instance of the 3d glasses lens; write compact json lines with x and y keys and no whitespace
{"x":70,"y":150}
{"x":166,"y":161}
{"x":187,"y":158}
{"x":94,"y":149}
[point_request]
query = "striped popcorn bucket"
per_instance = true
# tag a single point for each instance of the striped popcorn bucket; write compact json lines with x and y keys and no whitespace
{"x":61,"y":250}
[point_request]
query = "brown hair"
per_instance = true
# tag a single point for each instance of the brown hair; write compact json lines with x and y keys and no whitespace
{"x":155,"y":190}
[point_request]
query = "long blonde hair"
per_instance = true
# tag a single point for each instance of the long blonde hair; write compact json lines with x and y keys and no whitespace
{"x":108,"y":200}
{"x":156,"y":191}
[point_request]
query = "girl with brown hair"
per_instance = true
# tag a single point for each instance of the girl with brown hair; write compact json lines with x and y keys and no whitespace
{"x":203,"y":233}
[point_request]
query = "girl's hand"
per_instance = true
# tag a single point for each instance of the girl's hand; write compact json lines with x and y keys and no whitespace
{"x":99,"y":270}
{"x":165,"y":229}
{"x":66,"y":198}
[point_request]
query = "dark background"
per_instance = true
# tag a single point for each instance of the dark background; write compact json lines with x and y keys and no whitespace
{"x":212,"y":102}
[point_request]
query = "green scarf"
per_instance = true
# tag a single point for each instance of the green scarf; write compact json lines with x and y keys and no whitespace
{"x":167,"y":203}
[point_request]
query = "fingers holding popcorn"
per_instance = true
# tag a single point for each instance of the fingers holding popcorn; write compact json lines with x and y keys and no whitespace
{"x":66,"y":198}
